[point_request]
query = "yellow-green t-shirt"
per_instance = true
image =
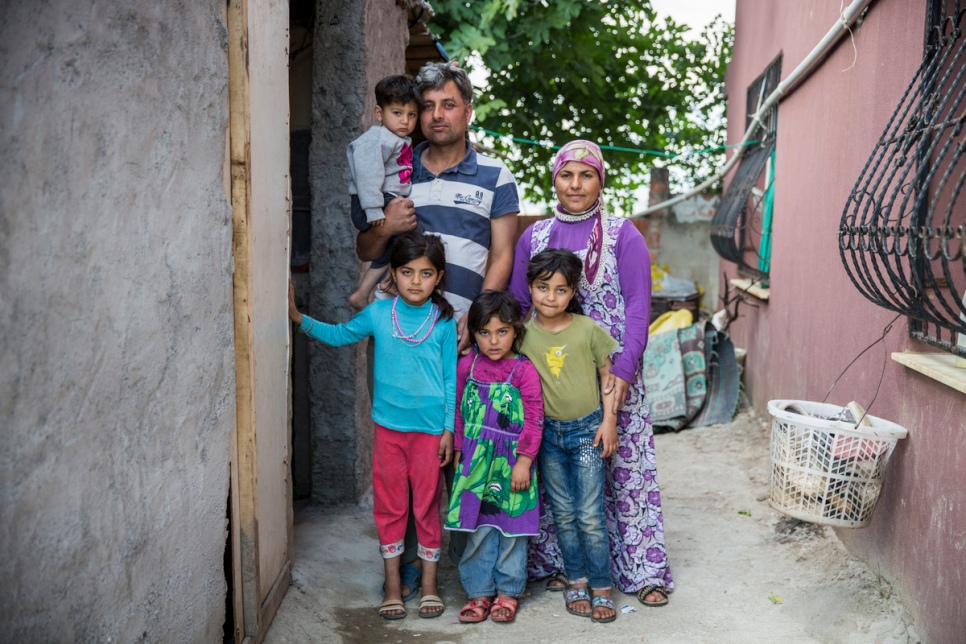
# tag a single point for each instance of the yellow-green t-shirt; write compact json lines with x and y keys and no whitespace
{"x":567,"y":361}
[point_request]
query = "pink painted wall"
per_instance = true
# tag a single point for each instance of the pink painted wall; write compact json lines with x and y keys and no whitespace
{"x":816,"y":322}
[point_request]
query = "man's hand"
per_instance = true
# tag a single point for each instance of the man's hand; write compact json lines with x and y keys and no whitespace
{"x":400,"y":218}
{"x":520,"y":475}
{"x":463,"y":336}
{"x":607,"y":436}
{"x":445,"y":448}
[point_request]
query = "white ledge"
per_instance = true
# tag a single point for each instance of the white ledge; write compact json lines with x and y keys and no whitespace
{"x":751,"y":287}
{"x":938,"y":366}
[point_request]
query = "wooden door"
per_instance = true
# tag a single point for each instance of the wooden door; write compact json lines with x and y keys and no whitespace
{"x":261,"y":521}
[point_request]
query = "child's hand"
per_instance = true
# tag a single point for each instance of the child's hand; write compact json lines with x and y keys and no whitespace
{"x":520,"y":476}
{"x":445,"y":448}
{"x":293,"y":312}
{"x":607,"y":436}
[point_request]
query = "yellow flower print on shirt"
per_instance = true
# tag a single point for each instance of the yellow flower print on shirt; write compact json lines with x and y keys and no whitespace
{"x":555,"y":360}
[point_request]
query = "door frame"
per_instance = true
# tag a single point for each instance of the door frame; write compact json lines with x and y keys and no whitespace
{"x":252,"y":614}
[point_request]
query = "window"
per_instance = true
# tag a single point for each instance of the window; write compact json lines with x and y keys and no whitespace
{"x":902,"y":236}
{"x":741,"y":226}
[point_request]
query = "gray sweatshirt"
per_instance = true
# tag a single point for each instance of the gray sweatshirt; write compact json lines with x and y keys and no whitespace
{"x":380,"y":162}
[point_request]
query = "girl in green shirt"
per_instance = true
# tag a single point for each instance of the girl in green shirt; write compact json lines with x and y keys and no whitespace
{"x":572,"y":355}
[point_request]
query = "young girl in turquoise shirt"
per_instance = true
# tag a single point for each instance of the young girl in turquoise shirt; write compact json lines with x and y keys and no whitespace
{"x":413,"y":406}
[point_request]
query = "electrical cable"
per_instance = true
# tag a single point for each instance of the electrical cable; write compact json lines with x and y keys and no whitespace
{"x":885,"y":359}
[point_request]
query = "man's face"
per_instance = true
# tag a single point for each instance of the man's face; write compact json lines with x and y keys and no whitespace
{"x":444,"y":116}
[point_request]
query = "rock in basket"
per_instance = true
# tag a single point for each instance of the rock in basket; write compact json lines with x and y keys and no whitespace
{"x":825,"y":470}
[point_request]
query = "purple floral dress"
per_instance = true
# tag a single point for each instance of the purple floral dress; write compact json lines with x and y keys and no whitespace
{"x":632,"y":498}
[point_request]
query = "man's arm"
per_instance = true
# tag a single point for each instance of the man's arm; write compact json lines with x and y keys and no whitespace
{"x":400,"y":218}
{"x":503,"y":232}
{"x":500,"y":265}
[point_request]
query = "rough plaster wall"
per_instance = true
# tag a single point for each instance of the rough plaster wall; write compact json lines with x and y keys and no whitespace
{"x":117,"y":377}
{"x":356,"y":44}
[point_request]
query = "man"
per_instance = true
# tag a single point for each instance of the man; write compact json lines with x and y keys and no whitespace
{"x":469,"y":199}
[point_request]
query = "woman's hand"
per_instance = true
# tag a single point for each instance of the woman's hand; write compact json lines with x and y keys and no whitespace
{"x":520,"y":476}
{"x":445,"y":453}
{"x":293,"y":312}
{"x":607,"y":436}
{"x":621,"y":387}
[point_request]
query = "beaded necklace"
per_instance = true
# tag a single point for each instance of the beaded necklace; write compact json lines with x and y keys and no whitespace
{"x":397,"y":331}
{"x":571,"y":217}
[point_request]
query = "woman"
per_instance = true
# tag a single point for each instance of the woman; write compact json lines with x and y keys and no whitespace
{"x":615,"y":291}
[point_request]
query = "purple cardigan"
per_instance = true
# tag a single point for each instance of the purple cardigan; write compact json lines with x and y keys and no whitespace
{"x":633,"y":269}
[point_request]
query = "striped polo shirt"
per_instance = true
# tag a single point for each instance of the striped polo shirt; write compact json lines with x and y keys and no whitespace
{"x":458,"y":205}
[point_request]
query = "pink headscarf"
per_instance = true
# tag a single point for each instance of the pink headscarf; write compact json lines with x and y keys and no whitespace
{"x":583,"y":152}
{"x":589,"y":153}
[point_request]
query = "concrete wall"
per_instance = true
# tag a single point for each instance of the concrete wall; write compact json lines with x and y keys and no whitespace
{"x":117,"y":377}
{"x":815,"y":321}
{"x":356,"y":44}
{"x":686,"y":246}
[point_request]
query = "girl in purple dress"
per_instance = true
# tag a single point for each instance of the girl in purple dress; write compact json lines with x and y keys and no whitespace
{"x":499,"y":426}
{"x":615,"y":291}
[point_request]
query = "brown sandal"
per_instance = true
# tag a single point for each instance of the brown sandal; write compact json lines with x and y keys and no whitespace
{"x":647,"y":590}
{"x":557,"y":578}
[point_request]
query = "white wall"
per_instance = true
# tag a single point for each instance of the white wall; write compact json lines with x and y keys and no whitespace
{"x":116,"y":376}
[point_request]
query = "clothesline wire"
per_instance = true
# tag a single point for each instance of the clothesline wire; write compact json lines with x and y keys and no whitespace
{"x":654,"y":153}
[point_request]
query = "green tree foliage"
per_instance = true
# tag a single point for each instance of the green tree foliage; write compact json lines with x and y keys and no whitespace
{"x":606,"y":70}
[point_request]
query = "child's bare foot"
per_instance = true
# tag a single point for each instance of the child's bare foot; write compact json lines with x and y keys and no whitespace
{"x":603,"y":607}
{"x":430,"y":605}
{"x":577,"y":599}
{"x":359,"y":300}
{"x":390,"y":609}
{"x":504,"y":608}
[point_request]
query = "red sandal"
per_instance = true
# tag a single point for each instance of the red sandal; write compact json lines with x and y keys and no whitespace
{"x":475,"y":610}
{"x":507,"y":603}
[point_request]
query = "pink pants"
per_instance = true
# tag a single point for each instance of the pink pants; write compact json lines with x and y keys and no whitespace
{"x":404,"y":461}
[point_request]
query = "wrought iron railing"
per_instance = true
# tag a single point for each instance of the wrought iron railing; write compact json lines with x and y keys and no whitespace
{"x":902,"y":236}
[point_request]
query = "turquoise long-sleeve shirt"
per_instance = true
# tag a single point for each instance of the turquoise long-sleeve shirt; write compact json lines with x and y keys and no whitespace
{"x":415,"y":384}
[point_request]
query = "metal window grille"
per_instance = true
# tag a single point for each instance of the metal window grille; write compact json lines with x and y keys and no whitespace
{"x":736,"y":228}
{"x":902,"y":236}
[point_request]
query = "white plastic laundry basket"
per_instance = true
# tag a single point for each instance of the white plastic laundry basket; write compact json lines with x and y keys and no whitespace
{"x":827,"y":471}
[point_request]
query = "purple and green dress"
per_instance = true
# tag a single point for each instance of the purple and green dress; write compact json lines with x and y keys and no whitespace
{"x":492,"y":415}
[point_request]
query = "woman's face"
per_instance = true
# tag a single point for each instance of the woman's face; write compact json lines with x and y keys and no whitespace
{"x":577,"y":186}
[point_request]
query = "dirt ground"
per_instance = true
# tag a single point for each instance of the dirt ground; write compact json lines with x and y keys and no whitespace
{"x":744,"y":572}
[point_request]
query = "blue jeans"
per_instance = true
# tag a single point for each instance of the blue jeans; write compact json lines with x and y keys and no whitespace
{"x":572,"y":473}
{"x":493,"y":563}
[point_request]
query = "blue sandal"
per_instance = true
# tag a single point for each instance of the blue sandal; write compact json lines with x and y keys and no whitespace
{"x":603,"y":602}
{"x":574,"y":595}
{"x":409,"y":575}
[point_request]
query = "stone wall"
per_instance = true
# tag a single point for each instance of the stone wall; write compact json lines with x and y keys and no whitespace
{"x":355,"y":45}
{"x":117,"y":377}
